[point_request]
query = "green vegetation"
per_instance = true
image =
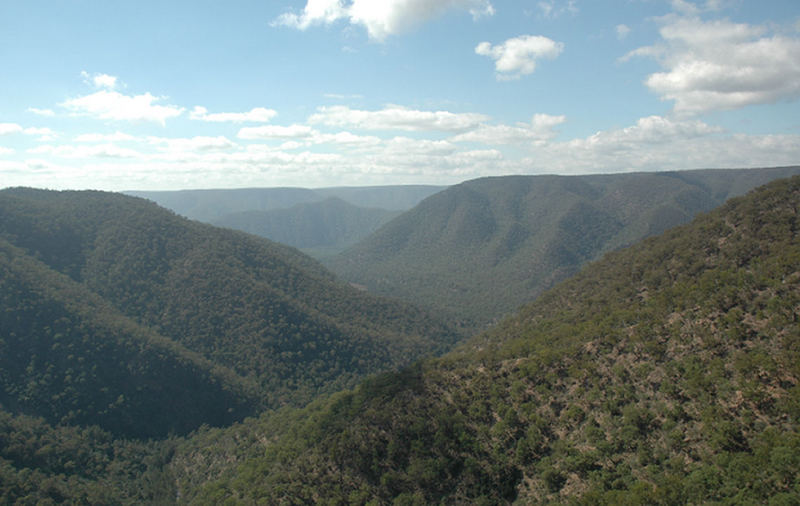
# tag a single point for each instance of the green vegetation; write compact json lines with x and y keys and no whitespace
{"x":122,"y":314}
{"x":317,"y":228}
{"x":667,"y":373}
{"x":479,"y":250}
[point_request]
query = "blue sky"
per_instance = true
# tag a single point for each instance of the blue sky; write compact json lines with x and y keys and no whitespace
{"x":121,"y":95}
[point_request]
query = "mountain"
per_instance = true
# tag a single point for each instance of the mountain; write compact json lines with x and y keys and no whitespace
{"x":327,"y":225}
{"x":120,"y":313}
{"x":70,"y":358}
{"x":211,"y":205}
{"x":666,"y":373}
{"x":481,"y":249}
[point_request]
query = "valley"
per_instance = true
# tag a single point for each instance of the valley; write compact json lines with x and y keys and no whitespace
{"x":639,"y":344}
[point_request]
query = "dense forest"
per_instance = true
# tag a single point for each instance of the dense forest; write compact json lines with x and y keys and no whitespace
{"x":479,"y":250}
{"x":124,"y":314}
{"x":667,"y":373}
{"x":149,"y":359}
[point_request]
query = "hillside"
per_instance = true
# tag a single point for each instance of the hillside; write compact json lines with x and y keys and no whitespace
{"x":211,"y":205}
{"x":329,"y":225}
{"x":67,"y":356}
{"x":481,"y":249}
{"x":120,"y":313}
{"x":666,"y":373}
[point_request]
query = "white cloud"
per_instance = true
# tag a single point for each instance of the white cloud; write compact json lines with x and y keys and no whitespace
{"x":103,"y":81}
{"x":720,"y":65}
{"x":405,"y":146}
{"x":540,"y":129}
{"x":381,"y":19}
{"x":395,"y":117}
{"x":112,"y":105}
{"x":553,"y":9}
{"x":346,"y":139}
{"x":275,"y":132}
{"x":316,"y":12}
{"x":517,"y":57}
{"x":653,"y":130}
{"x":42,"y":112}
{"x":13,"y":128}
{"x":199,"y":143}
{"x":115,"y":137}
{"x":6,"y":151}
{"x":255,"y":115}
{"x":9,"y":128}
{"x":44,"y":133}
{"x":79,"y":152}
{"x":622,"y":31}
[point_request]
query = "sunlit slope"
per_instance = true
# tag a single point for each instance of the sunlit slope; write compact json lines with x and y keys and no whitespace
{"x":264,"y":311}
{"x":480,"y":249}
{"x":666,"y":373}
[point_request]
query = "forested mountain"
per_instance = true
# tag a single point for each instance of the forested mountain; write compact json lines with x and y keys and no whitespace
{"x":211,"y":205}
{"x":329,"y":225}
{"x":666,"y":373}
{"x":481,"y":249}
{"x":120,"y":313}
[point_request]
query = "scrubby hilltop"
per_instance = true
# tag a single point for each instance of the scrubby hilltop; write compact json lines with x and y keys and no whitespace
{"x":479,"y":250}
{"x":667,"y":373}
{"x":120,"y":313}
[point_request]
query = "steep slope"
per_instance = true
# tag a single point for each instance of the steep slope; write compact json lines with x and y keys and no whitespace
{"x":481,"y":249}
{"x":667,"y":373}
{"x":264,"y":311}
{"x":67,"y":356}
{"x":327,"y":225}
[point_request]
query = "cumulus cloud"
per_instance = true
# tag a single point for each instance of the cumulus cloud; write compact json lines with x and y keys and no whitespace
{"x":517,"y":57}
{"x":100,"y":80}
{"x":255,"y":115}
{"x":41,"y":112}
{"x":95,"y":137}
{"x":10,"y":128}
{"x":395,"y":117}
{"x":13,"y":128}
{"x":553,"y":9}
{"x":199,"y":143}
{"x":718,"y":65}
{"x":622,"y":31}
{"x":112,"y":105}
{"x":109,"y":104}
{"x":276,"y":132}
{"x":43,"y":133}
{"x":540,"y":129}
{"x":381,"y":19}
{"x":6,"y":151}
{"x":81,"y":151}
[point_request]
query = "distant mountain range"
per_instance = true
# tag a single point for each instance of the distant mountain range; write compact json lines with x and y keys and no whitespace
{"x":213,"y":205}
{"x":479,"y":250}
{"x":319,"y":228}
{"x":120,"y":313}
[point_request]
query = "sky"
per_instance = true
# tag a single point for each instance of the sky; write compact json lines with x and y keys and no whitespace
{"x":152,"y":95}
